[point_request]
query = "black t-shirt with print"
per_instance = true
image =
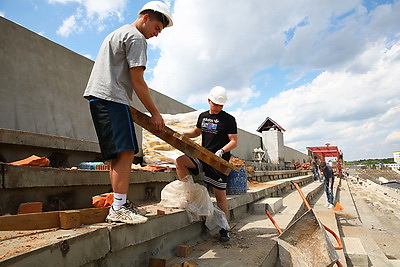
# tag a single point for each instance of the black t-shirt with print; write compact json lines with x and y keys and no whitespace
{"x":215,"y":129}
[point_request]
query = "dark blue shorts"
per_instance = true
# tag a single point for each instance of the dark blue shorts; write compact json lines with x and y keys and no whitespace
{"x":114,"y":127}
{"x":212,"y":176}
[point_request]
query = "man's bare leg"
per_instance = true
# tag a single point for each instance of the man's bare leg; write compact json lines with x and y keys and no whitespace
{"x":183,"y":164}
{"x":222,"y":202}
{"x":120,"y":172}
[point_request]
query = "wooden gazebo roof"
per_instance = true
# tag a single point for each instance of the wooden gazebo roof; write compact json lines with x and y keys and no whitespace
{"x":269,"y":124}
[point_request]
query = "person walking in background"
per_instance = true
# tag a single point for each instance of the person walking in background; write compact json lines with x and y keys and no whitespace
{"x":328,"y":183}
{"x":117,"y":72}
{"x":218,"y":130}
{"x":315,"y":168}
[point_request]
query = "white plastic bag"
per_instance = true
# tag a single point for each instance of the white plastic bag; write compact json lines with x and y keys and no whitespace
{"x":158,"y":152}
{"x":176,"y":195}
{"x":194,"y":198}
{"x":218,"y":218}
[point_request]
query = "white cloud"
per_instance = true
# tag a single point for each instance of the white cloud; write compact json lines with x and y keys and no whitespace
{"x":104,"y":8}
{"x":228,"y":44}
{"x":352,"y":103}
{"x":393,"y":138}
{"x":344,"y":107}
{"x":69,"y":26}
{"x":88,"y":56}
{"x":90,"y":13}
{"x":63,"y":1}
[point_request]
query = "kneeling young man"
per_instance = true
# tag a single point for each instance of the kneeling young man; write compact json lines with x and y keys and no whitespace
{"x":218,"y":130}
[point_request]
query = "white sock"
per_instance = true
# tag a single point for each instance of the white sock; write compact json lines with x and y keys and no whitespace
{"x":119,"y":201}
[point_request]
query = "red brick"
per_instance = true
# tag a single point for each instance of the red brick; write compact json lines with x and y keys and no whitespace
{"x":30,"y":207}
{"x":156,"y":262}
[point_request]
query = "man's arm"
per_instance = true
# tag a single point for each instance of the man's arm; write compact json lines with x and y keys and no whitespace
{"x":194,"y":132}
{"x":233,"y":141}
{"x":143,"y":92}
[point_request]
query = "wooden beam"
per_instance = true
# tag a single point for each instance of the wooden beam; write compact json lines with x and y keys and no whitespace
{"x":183,"y":143}
{"x":30,"y":221}
{"x":51,"y":219}
{"x":70,"y":219}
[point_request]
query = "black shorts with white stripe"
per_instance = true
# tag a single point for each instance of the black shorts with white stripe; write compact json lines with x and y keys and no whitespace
{"x":212,"y":176}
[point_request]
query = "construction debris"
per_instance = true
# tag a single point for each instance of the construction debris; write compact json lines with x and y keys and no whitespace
{"x":156,"y":262}
{"x":183,"y":251}
{"x":189,"y":264}
{"x":32,"y":161}
{"x":154,"y":168}
{"x":158,"y":152}
{"x":237,"y":162}
{"x":304,"y":166}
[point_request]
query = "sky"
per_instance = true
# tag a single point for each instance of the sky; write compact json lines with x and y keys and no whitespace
{"x":326,"y":71}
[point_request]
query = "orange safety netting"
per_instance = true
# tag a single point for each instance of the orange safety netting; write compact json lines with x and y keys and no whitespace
{"x":32,"y":161}
{"x":104,"y":200}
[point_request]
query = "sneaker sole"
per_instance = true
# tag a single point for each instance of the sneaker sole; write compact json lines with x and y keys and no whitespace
{"x":224,"y":239}
{"x":126,"y":221}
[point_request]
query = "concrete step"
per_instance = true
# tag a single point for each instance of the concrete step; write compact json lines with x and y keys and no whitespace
{"x":353,"y":229}
{"x":61,"y":188}
{"x":253,"y":237}
{"x":328,"y":217}
{"x":73,"y":189}
{"x":131,"y":245}
{"x":355,"y":251}
{"x":274,"y":205}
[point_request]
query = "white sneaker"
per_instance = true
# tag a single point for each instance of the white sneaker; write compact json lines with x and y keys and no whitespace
{"x":125,"y":215}
{"x":330,"y":206}
{"x":326,"y":204}
{"x":135,"y":208}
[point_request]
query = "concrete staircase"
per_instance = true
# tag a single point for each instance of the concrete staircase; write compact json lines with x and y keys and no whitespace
{"x":105,"y":244}
{"x":253,"y":236}
{"x":359,"y":246}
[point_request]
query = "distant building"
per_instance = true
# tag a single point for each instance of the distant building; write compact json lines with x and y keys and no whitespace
{"x":393,"y":166}
{"x":396,"y":156}
{"x":273,"y":145}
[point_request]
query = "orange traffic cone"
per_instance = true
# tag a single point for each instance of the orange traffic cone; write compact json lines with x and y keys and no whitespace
{"x":338,"y":207}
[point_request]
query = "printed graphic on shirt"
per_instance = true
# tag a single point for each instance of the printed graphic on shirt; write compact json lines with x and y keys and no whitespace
{"x":209,"y":125}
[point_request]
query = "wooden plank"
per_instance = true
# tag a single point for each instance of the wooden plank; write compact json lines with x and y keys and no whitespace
{"x":183,"y":143}
{"x":69,"y":219}
{"x":46,"y":220}
{"x":30,"y":221}
{"x":93,"y":215}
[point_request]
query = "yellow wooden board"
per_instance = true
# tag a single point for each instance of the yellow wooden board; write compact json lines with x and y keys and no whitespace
{"x":51,"y":219}
{"x":183,"y":143}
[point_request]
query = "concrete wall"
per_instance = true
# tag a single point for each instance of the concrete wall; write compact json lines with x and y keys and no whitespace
{"x":41,"y":87}
{"x":294,"y":155}
{"x":273,"y":144}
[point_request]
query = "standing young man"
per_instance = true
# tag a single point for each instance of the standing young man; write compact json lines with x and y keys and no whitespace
{"x":219,"y":135}
{"x":315,"y":169}
{"x":328,"y":183}
{"x":117,"y":72}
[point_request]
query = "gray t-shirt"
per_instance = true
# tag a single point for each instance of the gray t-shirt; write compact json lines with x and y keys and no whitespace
{"x":121,"y":50}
